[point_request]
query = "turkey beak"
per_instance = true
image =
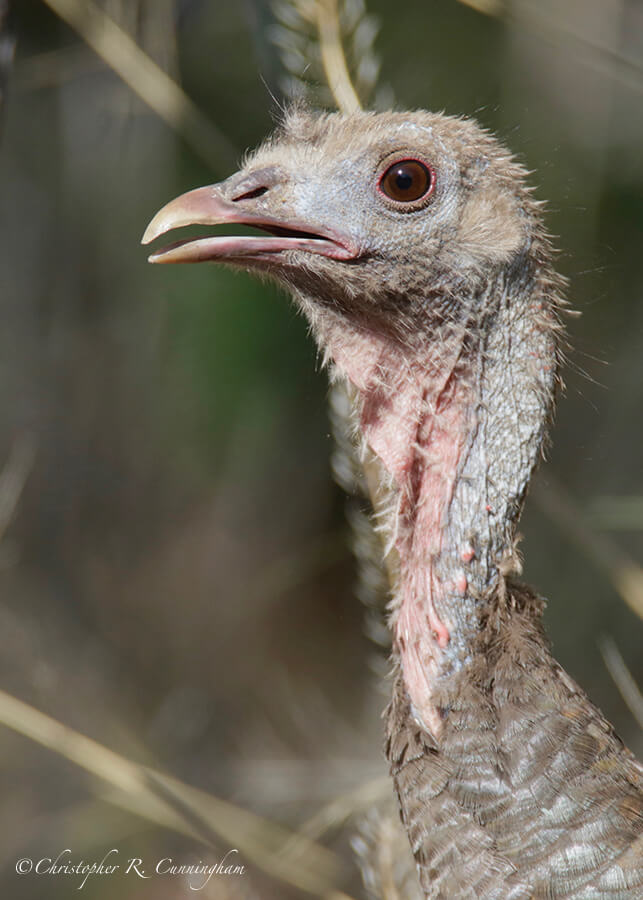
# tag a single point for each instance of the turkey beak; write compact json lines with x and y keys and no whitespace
{"x":203,"y":206}
{"x":209,"y":206}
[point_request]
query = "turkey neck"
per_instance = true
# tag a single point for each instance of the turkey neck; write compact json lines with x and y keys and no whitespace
{"x":454,"y":411}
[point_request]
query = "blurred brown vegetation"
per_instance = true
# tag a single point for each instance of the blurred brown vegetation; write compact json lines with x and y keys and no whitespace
{"x":176,"y":583}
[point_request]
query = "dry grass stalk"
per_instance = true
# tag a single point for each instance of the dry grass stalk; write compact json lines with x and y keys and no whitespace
{"x":13,"y":477}
{"x":146,"y":79}
{"x":333,"y":58}
{"x":624,"y":573}
{"x":166,"y":801}
{"x":623,"y":679}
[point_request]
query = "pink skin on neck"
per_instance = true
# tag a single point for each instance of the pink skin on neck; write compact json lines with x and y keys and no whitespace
{"x":412,"y":418}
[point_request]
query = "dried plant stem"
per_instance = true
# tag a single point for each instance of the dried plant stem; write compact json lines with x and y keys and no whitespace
{"x":364,"y":797}
{"x":13,"y":477}
{"x":51,"y":68}
{"x":623,"y":678}
{"x":625,"y":574}
{"x":333,"y":58}
{"x":7,"y":45}
{"x":617,"y":513}
{"x":295,"y":570}
{"x":488,"y":7}
{"x":169,"y":802}
{"x":146,"y":79}
{"x":529,"y":16}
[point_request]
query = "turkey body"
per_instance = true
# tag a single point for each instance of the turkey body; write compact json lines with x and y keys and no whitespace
{"x":416,"y":251}
{"x":529,"y":793}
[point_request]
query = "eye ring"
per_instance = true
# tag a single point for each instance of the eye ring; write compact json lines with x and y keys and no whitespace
{"x":407,"y":181}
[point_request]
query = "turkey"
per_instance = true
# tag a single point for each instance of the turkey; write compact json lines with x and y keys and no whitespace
{"x":413,"y":246}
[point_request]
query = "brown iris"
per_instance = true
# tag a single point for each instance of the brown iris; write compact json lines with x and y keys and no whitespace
{"x":406,"y":181}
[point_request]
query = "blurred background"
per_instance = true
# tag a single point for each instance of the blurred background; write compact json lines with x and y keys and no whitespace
{"x":175,"y":572}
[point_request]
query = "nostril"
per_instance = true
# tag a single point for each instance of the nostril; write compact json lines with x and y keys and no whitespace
{"x":251,"y":195}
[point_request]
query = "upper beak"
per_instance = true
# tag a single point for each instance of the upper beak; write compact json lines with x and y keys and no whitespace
{"x":208,"y":206}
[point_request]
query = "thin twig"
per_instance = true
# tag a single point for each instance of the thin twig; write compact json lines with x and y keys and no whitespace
{"x":623,"y":678}
{"x":176,"y":805}
{"x":146,"y":79}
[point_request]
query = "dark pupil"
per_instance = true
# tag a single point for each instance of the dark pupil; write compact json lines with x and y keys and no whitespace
{"x":403,"y":180}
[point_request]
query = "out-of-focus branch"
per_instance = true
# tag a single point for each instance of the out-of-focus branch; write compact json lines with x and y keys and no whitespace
{"x":623,"y":679}
{"x":176,"y":805}
{"x":348,"y":805}
{"x":7,"y":45}
{"x":600,"y":57}
{"x":13,"y":477}
{"x":146,"y":79}
{"x":52,"y":68}
{"x":529,"y":16}
{"x":617,"y":513}
{"x":625,"y":573}
{"x":296,"y":569}
{"x":488,"y":7}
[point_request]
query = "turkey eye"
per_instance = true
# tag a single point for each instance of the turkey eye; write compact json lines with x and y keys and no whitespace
{"x":406,"y":181}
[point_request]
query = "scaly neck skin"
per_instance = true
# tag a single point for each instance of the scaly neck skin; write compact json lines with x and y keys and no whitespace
{"x":456,"y":420}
